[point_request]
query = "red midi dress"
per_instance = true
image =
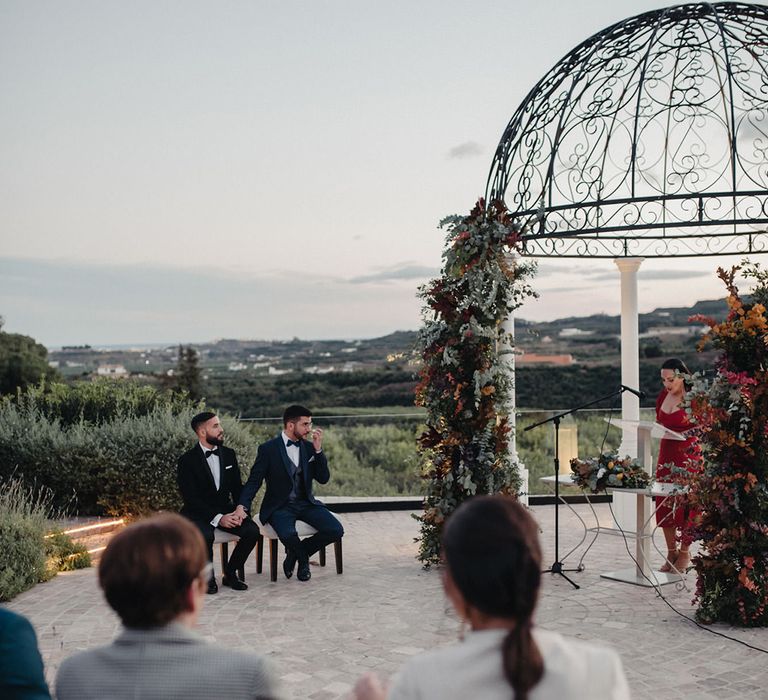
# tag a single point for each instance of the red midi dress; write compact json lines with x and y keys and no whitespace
{"x":672,"y":512}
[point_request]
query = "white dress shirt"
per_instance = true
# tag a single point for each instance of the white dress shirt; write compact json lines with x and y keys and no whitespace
{"x":215,"y":466}
{"x":292,"y":450}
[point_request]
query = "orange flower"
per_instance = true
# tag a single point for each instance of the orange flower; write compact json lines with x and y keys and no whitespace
{"x":747,"y":582}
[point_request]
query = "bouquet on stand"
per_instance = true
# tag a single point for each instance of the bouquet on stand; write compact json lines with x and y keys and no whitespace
{"x":608,"y":471}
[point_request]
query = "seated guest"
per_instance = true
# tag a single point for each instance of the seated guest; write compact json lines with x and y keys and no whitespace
{"x":288,"y":464}
{"x":210,"y":485}
{"x":154,"y":576}
{"x":21,"y":666}
{"x":491,"y":575}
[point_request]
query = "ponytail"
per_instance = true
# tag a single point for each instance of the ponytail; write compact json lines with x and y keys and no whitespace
{"x":523,"y":663}
{"x":491,"y":548}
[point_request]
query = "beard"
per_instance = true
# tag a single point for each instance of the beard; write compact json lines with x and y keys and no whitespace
{"x":211,"y":440}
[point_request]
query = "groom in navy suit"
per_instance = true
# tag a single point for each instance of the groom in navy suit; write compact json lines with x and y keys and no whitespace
{"x":289,"y":464}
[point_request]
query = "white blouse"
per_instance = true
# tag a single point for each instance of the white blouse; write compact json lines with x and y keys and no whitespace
{"x":573,"y":670}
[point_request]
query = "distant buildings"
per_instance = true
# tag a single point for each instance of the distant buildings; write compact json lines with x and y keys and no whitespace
{"x":111,"y":371}
{"x":573,"y":332}
{"x":275,"y":372}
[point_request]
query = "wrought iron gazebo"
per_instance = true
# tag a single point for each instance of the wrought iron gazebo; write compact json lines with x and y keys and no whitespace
{"x":648,"y":139}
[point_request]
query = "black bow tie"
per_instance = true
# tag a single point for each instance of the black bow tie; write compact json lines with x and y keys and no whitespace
{"x":214,"y":451}
{"x":293,"y":442}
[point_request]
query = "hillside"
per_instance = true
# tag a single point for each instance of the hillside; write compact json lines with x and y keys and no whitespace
{"x":257,"y":377}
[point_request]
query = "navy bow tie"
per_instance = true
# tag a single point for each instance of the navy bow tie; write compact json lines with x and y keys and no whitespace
{"x":214,"y":451}
{"x":293,"y":442}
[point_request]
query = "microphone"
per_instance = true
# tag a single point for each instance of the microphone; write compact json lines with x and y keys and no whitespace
{"x":640,"y":394}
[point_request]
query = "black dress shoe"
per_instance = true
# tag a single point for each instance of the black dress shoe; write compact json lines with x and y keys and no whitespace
{"x":289,"y":564}
{"x":234,"y":582}
{"x":304,"y":574}
{"x":212,"y":586}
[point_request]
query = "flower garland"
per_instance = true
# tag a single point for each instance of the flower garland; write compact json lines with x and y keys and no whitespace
{"x":608,"y":471}
{"x":731,"y":414}
{"x":464,"y":384}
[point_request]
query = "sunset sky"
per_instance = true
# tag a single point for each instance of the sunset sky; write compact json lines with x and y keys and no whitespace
{"x":181,"y":171}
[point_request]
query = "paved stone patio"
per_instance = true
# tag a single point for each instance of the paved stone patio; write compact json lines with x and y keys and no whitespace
{"x":323,"y":634}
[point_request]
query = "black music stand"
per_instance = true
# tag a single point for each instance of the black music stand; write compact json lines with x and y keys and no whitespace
{"x":557,"y":566}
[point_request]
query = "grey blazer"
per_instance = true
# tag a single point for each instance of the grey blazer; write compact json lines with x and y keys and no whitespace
{"x":169,"y":663}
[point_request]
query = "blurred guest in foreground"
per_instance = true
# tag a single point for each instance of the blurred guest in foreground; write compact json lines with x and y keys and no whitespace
{"x":154,"y":576}
{"x":491,"y":575}
{"x":21,"y":666}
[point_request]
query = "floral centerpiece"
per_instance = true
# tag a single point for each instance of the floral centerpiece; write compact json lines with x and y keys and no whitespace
{"x":608,"y":471}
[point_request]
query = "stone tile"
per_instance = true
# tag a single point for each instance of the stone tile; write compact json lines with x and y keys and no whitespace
{"x":323,"y":634}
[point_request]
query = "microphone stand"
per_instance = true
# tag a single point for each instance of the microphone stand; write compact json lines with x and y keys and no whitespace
{"x":557,"y":566}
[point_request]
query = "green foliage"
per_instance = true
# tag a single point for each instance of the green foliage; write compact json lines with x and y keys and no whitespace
{"x":23,"y":521}
{"x":64,"y":554}
{"x":372,"y":460}
{"x":22,"y":362}
{"x":188,"y":377}
{"x":104,"y":447}
{"x":264,"y":396}
{"x":99,"y":401}
{"x":464,"y":385}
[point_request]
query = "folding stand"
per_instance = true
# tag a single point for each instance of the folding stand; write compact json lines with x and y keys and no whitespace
{"x":557,"y":566}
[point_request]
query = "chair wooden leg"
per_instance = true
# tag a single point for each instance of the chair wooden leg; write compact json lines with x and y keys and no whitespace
{"x":224,"y":556}
{"x":339,"y":559}
{"x":322,"y":556}
{"x":273,"y":560}
{"x":259,"y":554}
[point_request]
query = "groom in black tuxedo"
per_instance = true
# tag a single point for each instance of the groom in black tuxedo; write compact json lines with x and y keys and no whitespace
{"x":289,"y":464}
{"x":210,"y":485}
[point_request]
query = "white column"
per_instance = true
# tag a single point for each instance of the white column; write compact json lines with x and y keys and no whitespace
{"x":624,"y":504}
{"x":630,"y":350}
{"x":507,"y":357}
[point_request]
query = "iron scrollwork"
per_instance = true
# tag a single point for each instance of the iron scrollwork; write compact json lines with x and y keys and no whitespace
{"x":649,"y":139}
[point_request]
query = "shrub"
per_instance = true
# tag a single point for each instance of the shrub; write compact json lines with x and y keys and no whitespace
{"x":23,"y":521}
{"x":138,"y":456}
{"x":100,"y":401}
{"x":106,"y":447}
{"x":63,"y":554}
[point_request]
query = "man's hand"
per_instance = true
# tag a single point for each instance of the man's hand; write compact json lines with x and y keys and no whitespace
{"x":240,"y":512}
{"x":317,"y":439}
{"x":230,"y":520}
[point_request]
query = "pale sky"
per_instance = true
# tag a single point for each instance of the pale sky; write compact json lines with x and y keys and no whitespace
{"x":184,"y":171}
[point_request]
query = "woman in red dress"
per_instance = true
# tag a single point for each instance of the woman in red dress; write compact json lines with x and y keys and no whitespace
{"x":672,"y":513}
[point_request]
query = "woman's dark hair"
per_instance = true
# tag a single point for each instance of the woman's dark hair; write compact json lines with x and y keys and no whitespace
{"x":676,"y":364}
{"x":491,"y":548}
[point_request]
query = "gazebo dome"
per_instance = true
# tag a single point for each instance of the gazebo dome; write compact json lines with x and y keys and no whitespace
{"x":648,"y":139}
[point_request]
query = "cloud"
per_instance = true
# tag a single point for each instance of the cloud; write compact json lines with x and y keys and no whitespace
{"x":405,"y":271}
{"x":468,"y":149}
{"x":671,"y":274}
{"x":582,"y":269}
{"x":68,"y":303}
